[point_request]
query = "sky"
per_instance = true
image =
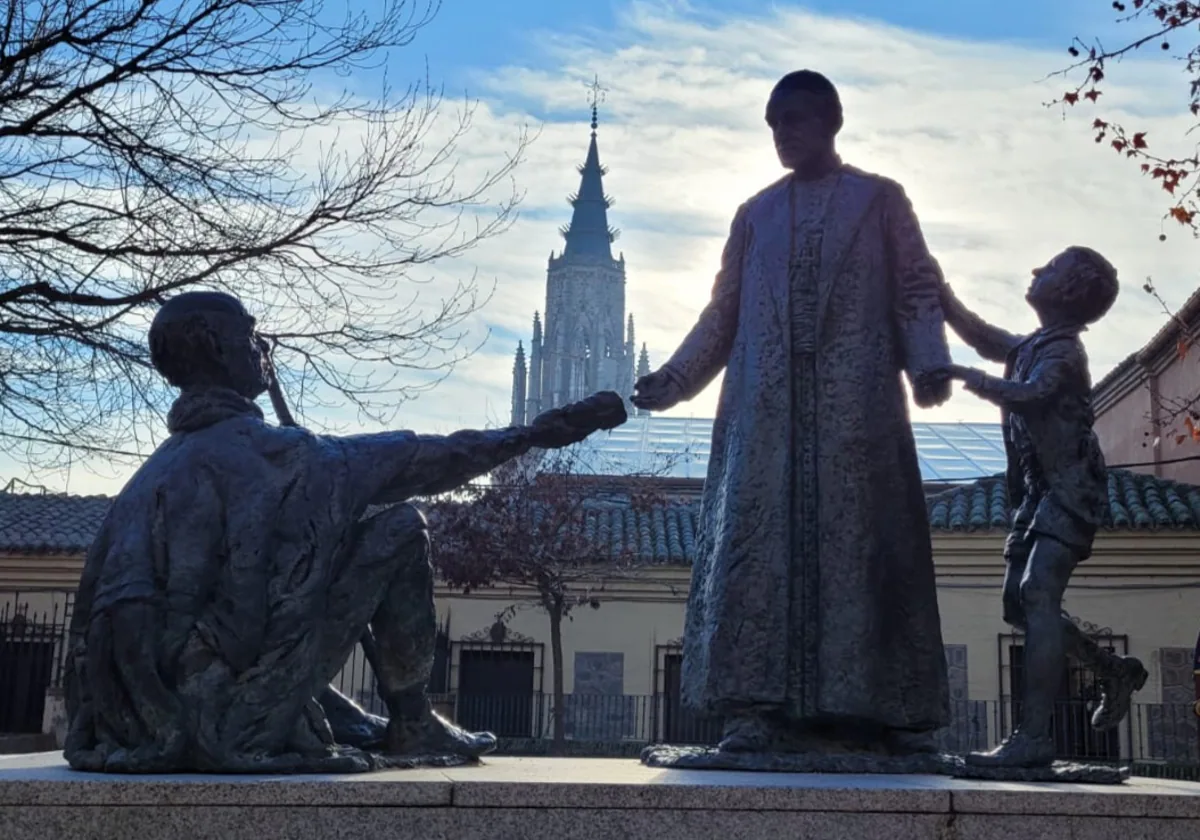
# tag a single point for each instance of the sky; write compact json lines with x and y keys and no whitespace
{"x":945,"y":97}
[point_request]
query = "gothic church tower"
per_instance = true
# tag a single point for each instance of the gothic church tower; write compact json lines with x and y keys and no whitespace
{"x":584,"y":345}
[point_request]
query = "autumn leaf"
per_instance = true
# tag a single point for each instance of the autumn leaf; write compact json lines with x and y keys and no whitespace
{"x":1119,"y":145}
{"x":1092,"y":95}
{"x":1070,"y":98}
{"x":1139,"y":140}
{"x":1184,"y":217}
{"x":1179,"y":439}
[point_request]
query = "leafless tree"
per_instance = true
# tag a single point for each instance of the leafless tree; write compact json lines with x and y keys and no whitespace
{"x":152,"y":146}
{"x":552,"y":528}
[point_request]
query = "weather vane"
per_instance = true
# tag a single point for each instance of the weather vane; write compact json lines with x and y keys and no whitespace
{"x":595,"y":97}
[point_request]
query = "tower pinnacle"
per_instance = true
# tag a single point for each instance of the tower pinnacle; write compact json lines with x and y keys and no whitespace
{"x":588,"y":234}
{"x":595,"y":97}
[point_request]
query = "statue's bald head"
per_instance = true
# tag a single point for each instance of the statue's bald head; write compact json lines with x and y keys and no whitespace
{"x":205,"y":339}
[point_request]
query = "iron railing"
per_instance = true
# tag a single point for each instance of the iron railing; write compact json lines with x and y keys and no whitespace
{"x":33,"y":651}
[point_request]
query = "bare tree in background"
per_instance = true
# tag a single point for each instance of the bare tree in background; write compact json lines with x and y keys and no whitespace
{"x":557,"y":530}
{"x":152,"y":146}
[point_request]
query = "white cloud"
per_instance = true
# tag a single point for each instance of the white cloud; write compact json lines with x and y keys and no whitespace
{"x":999,"y":181}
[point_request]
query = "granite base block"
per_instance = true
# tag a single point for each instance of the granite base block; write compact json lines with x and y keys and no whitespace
{"x":710,"y":758}
{"x":1059,"y":771}
{"x":589,"y":799}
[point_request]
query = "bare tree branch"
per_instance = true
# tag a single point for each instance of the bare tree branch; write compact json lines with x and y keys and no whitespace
{"x":152,"y":146}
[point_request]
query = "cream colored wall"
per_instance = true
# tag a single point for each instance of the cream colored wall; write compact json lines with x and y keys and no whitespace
{"x":632,"y":619}
{"x":1145,"y":586}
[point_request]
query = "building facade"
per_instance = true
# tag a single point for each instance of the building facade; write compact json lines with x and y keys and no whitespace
{"x":1148,"y":406}
{"x":585,"y":343}
{"x":1137,"y":595}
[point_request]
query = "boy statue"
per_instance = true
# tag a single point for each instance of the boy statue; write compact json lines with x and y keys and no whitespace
{"x":241,"y":564}
{"x":1057,"y":484}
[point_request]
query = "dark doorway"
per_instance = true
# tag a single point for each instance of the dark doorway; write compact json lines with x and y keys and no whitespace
{"x":26,"y":668}
{"x":680,"y":725}
{"x":496,"y":690}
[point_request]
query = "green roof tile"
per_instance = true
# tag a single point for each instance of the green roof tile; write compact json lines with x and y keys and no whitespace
{"x":49,"y":524}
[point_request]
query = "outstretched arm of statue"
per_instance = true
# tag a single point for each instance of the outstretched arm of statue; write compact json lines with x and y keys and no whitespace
{"x":1049,"y":377}
{"x":918,"y":308}
{"x":394,"y":466}
{"x":990,"y":342}
{"x":705,"y":351}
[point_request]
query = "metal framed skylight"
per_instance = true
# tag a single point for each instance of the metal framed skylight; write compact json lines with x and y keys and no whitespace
{"x":679,"y":447}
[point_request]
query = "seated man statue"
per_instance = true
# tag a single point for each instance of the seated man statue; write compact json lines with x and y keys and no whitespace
{"x":241,"y":564}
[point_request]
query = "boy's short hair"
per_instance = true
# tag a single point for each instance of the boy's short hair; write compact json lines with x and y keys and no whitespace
{"x":1091,"y":287}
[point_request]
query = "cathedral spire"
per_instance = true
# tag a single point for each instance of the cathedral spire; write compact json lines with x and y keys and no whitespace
{"x":519,"y":386}
{"x":588,"y":234}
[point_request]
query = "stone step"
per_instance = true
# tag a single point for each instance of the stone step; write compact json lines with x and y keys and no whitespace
{"x":588,"y":799}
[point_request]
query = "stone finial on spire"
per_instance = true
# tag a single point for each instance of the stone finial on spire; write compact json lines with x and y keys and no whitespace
{"x":595,"y":97}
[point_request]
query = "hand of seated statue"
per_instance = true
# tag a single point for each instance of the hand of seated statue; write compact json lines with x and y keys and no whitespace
{"x":570,"y":424}
{"x":657,"y":391}
{"x":932,"y":389}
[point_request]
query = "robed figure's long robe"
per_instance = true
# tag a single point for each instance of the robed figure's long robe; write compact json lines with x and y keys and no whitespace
{"x":813,"y":590}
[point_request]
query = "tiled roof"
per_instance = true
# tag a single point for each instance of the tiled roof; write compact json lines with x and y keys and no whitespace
{"x":1136,"y":502}
{"x":52,"y":524}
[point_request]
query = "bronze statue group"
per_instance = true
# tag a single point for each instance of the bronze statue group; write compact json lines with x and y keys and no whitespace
{"x":242,"y":563}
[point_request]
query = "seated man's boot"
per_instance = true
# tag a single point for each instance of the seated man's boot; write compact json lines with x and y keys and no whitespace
{"x":351,"y":724}
{"x":1019,"y":750}
{"x":416,"y":729}
{"x":1116,"y":692}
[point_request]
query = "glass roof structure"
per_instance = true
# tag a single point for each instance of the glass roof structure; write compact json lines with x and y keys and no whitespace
{"x":678,"y":447}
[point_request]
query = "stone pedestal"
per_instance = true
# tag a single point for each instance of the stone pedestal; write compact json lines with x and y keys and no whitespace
{"x":580,"y":799}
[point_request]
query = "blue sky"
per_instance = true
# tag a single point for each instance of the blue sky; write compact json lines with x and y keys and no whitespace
{"x":468,"y":36}
{"x":945,"y":97}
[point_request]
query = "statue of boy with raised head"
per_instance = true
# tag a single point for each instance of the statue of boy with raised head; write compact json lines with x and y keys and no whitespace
{"x":1058,"y":485}
{"x":239,"y":566}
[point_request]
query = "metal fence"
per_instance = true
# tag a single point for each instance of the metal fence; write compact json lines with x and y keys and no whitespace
{"x":33,"y":648}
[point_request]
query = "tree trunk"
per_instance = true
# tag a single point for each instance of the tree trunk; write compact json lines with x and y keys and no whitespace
{"x":556,"y":657}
